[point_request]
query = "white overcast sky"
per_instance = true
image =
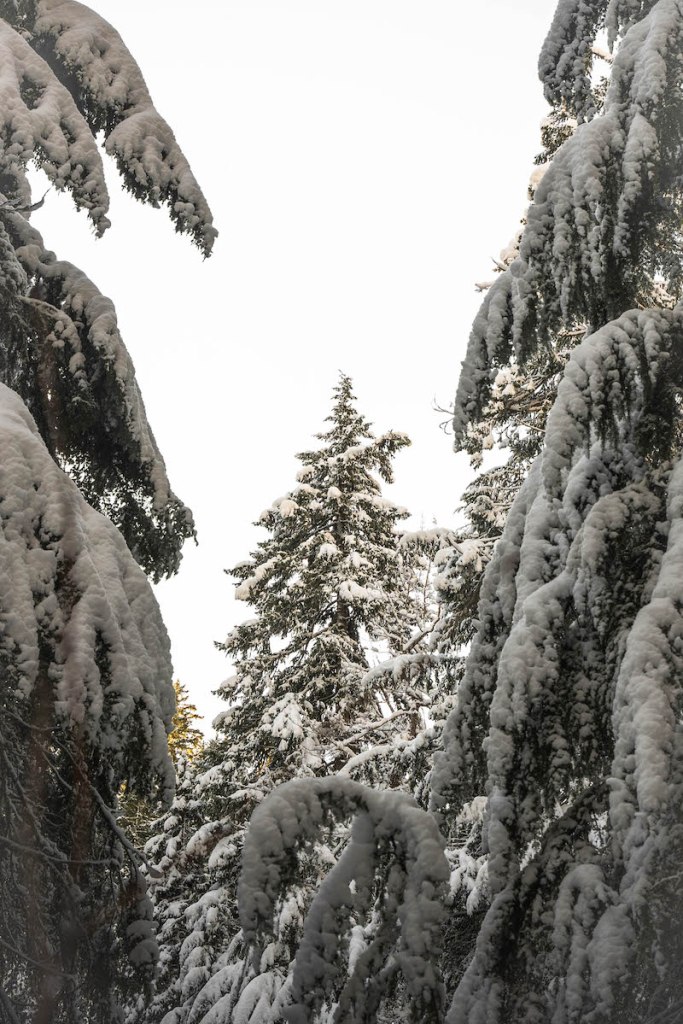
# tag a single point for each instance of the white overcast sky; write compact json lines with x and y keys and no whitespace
{"x":364,"y":160}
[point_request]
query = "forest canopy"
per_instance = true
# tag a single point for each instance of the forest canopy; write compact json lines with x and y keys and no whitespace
{"x":446,"y":784}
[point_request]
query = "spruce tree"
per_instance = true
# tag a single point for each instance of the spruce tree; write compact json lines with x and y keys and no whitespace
{"x":137,"y":812}
{"x":333,"y":674}
{"x":568,"y":722}
{"x":324,"y":586}
{"x":85,"y":679}
{"x":185,"y":740}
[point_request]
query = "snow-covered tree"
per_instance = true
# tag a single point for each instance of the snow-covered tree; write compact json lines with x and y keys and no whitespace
{"x":86,"y":702}
{"x":85,"y":679}
{"x":67,"y":77}
{"x":569,"y":715}
{"x":509,"y":423}
{"x":333,"y":674}
{"x":331,"y":597}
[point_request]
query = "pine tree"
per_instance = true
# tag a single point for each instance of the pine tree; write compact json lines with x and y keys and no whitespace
{"x":137,"y":812}
{"x":335,"y":587}
{"x":568,"y":720}
{"x":85,"y":683}
{"x":324,"y":586}
{"x":185,"y":741}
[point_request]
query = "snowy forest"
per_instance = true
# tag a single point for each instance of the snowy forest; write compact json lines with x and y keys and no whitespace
{"x":446,"y":784}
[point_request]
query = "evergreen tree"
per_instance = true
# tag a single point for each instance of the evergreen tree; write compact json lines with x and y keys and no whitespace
{"x":86,"y":703}
{"x":510,"y":422}
{"x":568,"y":719}
{"x":185,"y":741}
{"x":138,"y":813}
{"x":85,"y":683}
{"x":324,"y":586}
{"x":335,"y":587}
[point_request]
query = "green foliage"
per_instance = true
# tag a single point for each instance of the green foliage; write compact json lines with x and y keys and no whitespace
{"x":138,"y":814}
{"x":184,"y":740}
{"x":323,"y":585}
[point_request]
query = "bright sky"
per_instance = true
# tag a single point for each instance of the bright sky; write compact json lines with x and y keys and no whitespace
{"x":364,"y":160}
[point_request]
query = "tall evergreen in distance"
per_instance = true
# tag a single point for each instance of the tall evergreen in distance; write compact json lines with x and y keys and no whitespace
{"x":324,"y":585}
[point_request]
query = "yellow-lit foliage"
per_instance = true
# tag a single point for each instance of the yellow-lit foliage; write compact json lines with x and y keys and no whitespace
{"x":184,"y":739}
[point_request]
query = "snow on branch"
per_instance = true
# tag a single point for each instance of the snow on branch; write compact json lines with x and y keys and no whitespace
{"x":87,"y":370}
{"x":65,"y":75}
{"x":574,"y":675}
{"x":621,"y":14}
{"x":587,"y":253}
{"x":386,"y":825}
{"x":40,"y":121}
{"x":459,"y":773}
{"x":113,"y":96}
{"x":563,"y":65}
{"x":647,"y":723}
{"x":489,"y":345}
{"x":609,"y":385}
{"x":71,"y":591}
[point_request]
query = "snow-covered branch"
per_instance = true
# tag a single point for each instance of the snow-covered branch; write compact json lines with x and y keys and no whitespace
{"x":291,"y":817}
